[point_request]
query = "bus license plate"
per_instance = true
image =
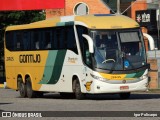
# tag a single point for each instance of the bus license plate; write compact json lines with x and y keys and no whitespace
{"x":124,"y":87}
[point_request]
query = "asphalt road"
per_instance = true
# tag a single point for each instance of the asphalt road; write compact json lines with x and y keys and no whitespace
{"x":10,"y":100}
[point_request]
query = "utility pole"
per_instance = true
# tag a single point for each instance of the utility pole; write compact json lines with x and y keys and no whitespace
{"x":118,"y":7}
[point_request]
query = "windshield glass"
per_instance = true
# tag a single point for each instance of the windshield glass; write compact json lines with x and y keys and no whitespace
{"x":118,"y":50}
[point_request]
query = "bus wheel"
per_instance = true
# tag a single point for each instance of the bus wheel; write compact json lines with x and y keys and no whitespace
{"x":77,"y":90}
{"x":22,"y":89}
{"x":125,"y":95}
{"x":30,"y":92}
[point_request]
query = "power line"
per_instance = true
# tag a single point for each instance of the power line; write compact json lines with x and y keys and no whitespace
{"x":129,"y":7}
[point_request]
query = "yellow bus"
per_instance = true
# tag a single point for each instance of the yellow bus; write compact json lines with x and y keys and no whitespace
{"x":76,"y":55}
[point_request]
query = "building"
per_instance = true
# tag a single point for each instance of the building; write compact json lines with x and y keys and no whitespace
{"x":79,"y":7}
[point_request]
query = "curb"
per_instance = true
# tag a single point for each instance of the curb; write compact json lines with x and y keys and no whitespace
{"x":154,"y":90}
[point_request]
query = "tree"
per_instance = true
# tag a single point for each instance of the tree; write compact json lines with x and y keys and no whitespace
{"x":19,"y":17}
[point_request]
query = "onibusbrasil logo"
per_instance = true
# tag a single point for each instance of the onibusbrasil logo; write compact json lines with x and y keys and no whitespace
{"x":21,"y":114}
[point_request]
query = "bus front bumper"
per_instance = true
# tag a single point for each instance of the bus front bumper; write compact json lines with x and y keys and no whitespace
{"x":102,"y":87}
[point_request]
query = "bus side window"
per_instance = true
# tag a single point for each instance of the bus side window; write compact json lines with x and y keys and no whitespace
{"x":54,"y":39}
{"x":65,"y":40}
{"x":10,"y":44}
{"x":61,"y":38}
{"x":71,"y":41}
{"x":36,"y":44}
{"x":26,"y":40}
{"x":18,"y":39}
{"x":47,"y":40}
{"x":57,"y":38}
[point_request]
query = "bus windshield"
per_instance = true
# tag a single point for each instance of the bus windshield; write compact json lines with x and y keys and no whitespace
{"x":118,"y":49}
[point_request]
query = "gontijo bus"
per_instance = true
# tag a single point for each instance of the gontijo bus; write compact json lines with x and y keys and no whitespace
{"x":90,"y":54}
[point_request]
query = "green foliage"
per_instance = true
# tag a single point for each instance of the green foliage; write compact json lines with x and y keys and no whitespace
{"x":19,"y":17}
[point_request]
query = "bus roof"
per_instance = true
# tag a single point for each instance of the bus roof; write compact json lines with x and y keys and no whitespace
{"x":97,"y":21}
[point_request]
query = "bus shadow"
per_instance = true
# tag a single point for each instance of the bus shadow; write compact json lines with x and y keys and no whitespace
{"x":5,"y":103}
{"x":134,"y":96}
{"x":55,"y":96}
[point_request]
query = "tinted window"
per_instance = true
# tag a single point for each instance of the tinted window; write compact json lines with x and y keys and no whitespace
{"x":26,"y":41}
{"x":9,"y":40}
{"x":70,"y":40}
{"x":84,"y":45}
{"x":57,"y":38}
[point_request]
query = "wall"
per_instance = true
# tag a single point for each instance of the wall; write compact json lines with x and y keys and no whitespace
{"x":95,"y":7}
{"x":140,"y":5}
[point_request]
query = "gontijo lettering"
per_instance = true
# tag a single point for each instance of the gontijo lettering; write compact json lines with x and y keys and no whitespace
{"x":30,"y":58}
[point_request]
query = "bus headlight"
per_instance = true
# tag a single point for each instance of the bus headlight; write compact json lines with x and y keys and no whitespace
{"x":144,"y":76}
{"x":99,"y":78}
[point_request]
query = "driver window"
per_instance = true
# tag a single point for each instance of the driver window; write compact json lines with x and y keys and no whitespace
{"x":84,"y":45}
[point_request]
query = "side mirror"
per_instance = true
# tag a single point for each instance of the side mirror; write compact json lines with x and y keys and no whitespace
{"x":90,"y":42}
{"x":151,"y":40}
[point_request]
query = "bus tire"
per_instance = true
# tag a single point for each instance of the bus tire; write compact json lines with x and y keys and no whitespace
{"x":22,"y":89}
{"x":77,"y":90}
{"x":125,"y":95}
{"x":30,"y":92}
